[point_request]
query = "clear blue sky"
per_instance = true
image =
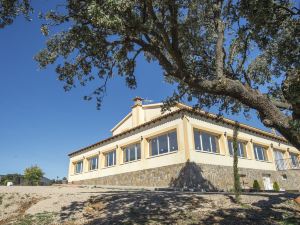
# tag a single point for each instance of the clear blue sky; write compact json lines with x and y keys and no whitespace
{"x":39,"y":122}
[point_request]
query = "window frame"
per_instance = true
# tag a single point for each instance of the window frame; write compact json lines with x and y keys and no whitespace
{"x":265,"y":154}
{"x":97,"y":162}
{"x":150,"y":139}
{"x":75,"y":167}
{"x":124,"y":148}
{"x":114,"y":158}
{"x":244,"y":143}
{"x":211,"y":134}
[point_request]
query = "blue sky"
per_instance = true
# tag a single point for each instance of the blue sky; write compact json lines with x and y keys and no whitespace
{"x":40,"y":123}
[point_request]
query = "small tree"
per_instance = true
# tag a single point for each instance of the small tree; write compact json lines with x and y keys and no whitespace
{"x":33,"y":175}
{"x":256,"y":185}
{"x":276,"y":186}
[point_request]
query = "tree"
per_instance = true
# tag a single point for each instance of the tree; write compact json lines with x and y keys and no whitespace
{"x":236,"y":176}
{"x":10,"y":9}
{"x":237,"y":55}
{"x":33,"y":175}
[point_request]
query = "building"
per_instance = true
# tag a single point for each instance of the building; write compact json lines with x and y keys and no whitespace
{"x":184,"y":148}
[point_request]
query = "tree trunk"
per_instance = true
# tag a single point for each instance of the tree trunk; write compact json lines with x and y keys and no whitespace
{"x":236,"y":176}
{"x":270,"y":115}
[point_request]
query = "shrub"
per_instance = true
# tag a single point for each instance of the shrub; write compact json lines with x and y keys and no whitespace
{"x":256,"y":185}
{"x":276,"y":186}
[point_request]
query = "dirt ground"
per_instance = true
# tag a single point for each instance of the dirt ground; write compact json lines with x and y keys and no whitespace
{"x":76,"y":205}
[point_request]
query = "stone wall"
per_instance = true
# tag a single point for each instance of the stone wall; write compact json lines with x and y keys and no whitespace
{"x":201,"y":176}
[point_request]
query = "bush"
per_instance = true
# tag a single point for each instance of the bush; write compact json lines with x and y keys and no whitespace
{"x":276,"y":186}
{"x":256,"y":185}
{"x":33,"y":175}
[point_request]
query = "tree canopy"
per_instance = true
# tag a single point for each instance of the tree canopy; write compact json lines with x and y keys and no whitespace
{"x":10,"y":9}
{"x":237,"y":55}
{"x":33,"y":175}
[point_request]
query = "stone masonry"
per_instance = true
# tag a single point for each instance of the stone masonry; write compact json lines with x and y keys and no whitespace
{"x":201,"y":176}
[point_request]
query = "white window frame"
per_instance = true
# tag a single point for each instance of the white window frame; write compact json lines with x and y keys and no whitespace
{"x":97,"y":163}
{"x":210,"y":142}
{"x":114,"y":158}
{"x":168,"y":143}
{"x":239,"y":148}
{"x":135,"y":151}
{"x":264,"y":152}
{"x":75,"y":167}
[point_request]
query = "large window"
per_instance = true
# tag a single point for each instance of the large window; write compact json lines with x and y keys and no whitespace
{"x":164,"y":144}
{"x":241,"y":148}
{"x":93,"y":163}
{"x":260,"y":152}
{"x":205,"y":142}
{"x":132,"y":152}
{"x":110,"y":158}
{"x":78,"y":167}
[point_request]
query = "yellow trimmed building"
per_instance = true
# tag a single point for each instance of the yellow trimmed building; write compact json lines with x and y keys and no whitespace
{"x":184,"y":148}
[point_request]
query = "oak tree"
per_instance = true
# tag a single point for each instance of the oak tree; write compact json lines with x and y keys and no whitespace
{"x":237,"y":55}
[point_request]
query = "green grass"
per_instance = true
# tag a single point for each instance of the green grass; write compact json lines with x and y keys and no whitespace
{"x":45,"y":218}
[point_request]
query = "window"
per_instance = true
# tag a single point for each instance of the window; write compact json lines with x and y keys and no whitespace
{"x":110,"y":158}
{"x":260,"y":153}
{"x":78,"y":167}
{"x":241,"y":148}
{"x":284,"y":177}
{"x":164,"y":144}
{"x":132,"y":152}
{"x":294,"y":159}
{"x":93,"y":163}
{"x":205,"y":142}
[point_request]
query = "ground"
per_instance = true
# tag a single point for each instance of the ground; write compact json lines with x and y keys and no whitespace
{"x":76,"y":205}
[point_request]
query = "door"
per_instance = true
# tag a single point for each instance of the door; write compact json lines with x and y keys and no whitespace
{"x":267,"y":183}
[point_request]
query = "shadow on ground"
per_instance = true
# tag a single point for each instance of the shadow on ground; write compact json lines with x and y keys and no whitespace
{"x":183,"y":208}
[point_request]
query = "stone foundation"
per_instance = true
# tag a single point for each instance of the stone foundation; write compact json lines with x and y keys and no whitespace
{"x":202,"y":176}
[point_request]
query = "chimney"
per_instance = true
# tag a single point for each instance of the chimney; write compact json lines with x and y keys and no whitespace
{"x":137,"y":112}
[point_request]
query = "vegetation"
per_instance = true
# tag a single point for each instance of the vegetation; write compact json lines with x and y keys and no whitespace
{"x":33,"y":175}
{"x":237,"y":55}
{"x":15,"y":178}
{"x":236,"y":176}
{"x":219,"y":53}
{"x":276,"y":186}
{"x":256,"y":185}
{"x":10,"y":9}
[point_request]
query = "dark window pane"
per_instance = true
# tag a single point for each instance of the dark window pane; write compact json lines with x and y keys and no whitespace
{"x":132,"y":153}
{"x":205,"y":142}
{"x":111,"y":158}
{"x":173,"y":141}
{"x":197,"y":139}
{"x":294,"y":160}
{"x":163,"y":144}
{"x":126,"y":155}
{"x":94,"y":163}
{"x":241,"y":152}
{"x":138,"y":146}
{"x":154,"y":149}
{"x":213,"y":143}
{"x":78,"y":167}
{"x":259,"y":152}
{"x":230,"y":147}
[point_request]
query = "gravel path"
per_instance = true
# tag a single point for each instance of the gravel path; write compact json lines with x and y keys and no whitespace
{"x":76,"y":205}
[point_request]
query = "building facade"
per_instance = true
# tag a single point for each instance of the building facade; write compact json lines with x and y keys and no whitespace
{"x":184,"y":148}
